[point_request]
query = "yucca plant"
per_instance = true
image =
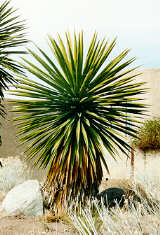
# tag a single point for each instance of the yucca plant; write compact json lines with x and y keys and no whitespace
{"x":77,"y":105}
{"x":11,"y":36}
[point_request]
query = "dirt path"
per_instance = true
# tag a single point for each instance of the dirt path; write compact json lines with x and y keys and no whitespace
{"x":32,"y":226}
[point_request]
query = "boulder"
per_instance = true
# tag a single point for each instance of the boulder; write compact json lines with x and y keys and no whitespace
{"x":111,"y":197}
{"x":13,"y":172}
{"x":24,"y":199}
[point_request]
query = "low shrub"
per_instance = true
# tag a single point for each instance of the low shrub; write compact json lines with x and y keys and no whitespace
{"x":148,"y":136}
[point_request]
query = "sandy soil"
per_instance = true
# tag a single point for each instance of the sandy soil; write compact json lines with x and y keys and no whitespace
{"x":20,"y":225}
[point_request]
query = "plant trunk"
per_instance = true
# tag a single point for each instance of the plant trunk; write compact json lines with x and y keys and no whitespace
{"x":132,"y":163}
{"x":76,"y":184}
{"x":145,"y":161}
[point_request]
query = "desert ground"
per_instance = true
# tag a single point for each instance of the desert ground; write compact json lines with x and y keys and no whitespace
{"x":21,"y":225}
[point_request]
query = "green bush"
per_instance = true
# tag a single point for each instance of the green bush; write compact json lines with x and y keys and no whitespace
{"x":148,"y":136}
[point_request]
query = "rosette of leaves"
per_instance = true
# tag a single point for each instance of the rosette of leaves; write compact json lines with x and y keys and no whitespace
{"x":76,"y":106}
{"x":11,"y":37}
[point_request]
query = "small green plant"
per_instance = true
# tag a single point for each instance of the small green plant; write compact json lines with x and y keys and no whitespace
{"x":148,"y":137}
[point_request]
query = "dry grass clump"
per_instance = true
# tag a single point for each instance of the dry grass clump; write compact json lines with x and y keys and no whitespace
{"x":118,"y":221}
{"x":135,"y":190}
{"x":140,"y":217}
{"x":58,"y":216}
{"x":148,"y":137}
